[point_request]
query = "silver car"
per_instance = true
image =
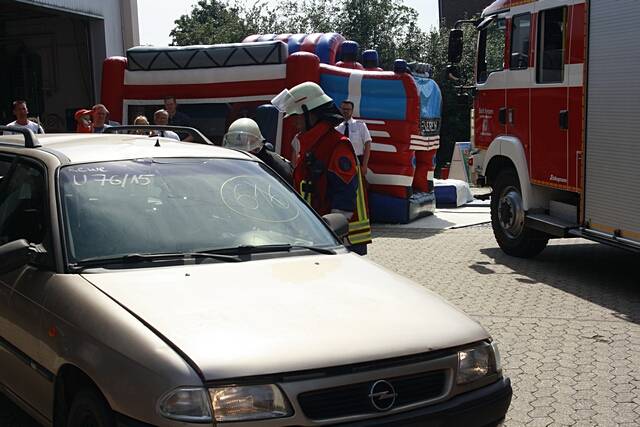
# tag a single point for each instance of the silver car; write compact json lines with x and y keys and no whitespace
{"x":145,"y":281}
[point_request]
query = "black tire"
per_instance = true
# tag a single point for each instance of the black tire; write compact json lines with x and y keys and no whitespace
{"x":89,"y":409}
{"x":508,"y":219}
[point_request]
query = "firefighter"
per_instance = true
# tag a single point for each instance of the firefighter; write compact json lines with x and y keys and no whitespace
{"x":244,"y":134}
{"x":326,"y":174}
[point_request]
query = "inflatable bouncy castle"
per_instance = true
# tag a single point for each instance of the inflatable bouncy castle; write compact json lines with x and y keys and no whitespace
{"x":217,"y":84}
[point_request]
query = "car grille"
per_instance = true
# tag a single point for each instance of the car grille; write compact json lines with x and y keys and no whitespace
{"x":353,"y":399}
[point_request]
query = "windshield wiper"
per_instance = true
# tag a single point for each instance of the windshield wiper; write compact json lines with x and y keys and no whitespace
{"x":255,"y":249}
{"x":133,"y":258}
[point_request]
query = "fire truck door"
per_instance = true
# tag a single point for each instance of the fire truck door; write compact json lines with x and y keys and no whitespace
{"x":549,"y":101}
{"x":519,"y":78}
{"x":490,"y":118}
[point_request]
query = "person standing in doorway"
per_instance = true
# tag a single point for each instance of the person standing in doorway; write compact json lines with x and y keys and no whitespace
{"x":21,"y":112}
{"x":177,"y":118}
{"x":358,"y":134}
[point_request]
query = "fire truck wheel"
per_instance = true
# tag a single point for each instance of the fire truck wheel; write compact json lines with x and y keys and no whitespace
{"x":508,"y":219}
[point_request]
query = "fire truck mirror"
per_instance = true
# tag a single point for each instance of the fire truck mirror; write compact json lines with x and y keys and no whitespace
{"x":453,"y":72}
{"x":455,"y":46}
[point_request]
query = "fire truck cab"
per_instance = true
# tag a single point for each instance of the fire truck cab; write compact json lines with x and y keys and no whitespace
{"x":555,"y":121}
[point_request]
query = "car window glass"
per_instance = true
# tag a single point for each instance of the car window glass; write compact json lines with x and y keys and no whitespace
{"x":5,"y":166}
{"x":23,"y":205}
{"x":551,"y":35}
{"x":520,"y":26}
{"x":180,"y":205}
{"x":210,"y":118}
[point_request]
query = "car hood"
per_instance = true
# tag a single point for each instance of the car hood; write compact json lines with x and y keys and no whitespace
{"x":288,"y":314}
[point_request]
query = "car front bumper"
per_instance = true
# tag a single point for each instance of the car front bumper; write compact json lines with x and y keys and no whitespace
{"x":485,"y":406}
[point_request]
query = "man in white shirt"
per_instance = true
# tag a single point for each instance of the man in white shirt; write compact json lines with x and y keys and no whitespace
{"x":357,"y":133}
{"x":21,"y":112}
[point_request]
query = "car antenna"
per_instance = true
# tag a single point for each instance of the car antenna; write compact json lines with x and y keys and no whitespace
{"x":157,"y":144}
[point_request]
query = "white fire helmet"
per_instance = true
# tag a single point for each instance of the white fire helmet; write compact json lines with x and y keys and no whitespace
{"x":307,"y":94}
{"x":244,"y":134}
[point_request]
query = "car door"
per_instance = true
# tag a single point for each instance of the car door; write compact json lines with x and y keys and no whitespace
{"x":24,"y":215}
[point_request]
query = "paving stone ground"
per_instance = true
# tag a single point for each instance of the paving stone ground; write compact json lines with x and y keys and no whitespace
{"x":567,"y":322}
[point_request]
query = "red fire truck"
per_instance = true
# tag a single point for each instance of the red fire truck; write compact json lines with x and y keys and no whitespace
{"x":557,"y":120}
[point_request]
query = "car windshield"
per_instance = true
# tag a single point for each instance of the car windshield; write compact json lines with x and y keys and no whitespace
{"x":146,"y":206}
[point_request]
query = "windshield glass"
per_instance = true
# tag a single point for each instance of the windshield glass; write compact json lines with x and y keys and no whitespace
{"x":180,"y":205}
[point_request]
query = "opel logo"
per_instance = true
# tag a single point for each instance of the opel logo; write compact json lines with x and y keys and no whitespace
{"x":382,"y":395}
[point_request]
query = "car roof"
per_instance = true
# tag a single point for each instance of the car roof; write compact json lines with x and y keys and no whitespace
{"x":85,"y":148}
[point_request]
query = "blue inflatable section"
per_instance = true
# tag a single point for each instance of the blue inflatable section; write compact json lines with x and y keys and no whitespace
{"x":388,"y":209}
{"x":430,"y":98}
{"x":267,"y":119}
{"x":380,"y":99}
{"x":386,"y":99}
{"x":323,"y":48}
{"x":294,"y":43}
{"x":336,"y":87}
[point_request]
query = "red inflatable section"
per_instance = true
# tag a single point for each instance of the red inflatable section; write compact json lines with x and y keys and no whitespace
{"x":310,"y":42}
{"x":325,"y":45}
{"x":301,"y":67}
{"x":112,"y":88}
{"x":393,"y":161}
{"x":352,"y":65}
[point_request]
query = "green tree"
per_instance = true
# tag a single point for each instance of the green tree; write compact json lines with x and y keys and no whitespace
{"x":211,"y":22}
{"x":388,"y":26}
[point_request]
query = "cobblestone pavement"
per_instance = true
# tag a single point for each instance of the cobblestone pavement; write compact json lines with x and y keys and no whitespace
{"x":567,"y":322}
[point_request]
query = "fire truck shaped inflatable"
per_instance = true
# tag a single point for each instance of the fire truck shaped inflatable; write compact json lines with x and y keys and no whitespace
{"x":217,"y":84}
{"x":556,"y":120}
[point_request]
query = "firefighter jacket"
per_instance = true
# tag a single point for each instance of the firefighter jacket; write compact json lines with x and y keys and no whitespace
{"x":328,"y":177}
{"x":278,"y":163}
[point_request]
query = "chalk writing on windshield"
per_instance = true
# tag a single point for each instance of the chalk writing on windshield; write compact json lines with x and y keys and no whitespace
{"x":256,"y":198}
{"x":103,"y":179}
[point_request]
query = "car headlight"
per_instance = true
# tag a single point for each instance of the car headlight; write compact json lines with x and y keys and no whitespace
{"x":187,"y":404}
{"x":478,"y":362}
{"x":240,"y":403}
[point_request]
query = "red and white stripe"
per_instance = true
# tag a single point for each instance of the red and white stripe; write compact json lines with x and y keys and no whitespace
{"x":424,"y":143}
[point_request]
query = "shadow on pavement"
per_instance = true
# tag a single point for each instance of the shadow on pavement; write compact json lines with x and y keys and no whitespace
{"x":404,"y":233}
{"x":603,"y":275}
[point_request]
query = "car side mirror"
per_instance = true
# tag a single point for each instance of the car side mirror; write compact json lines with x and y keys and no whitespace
{"x":338,"y":223}
{"x":454,"y":54}
{"x":18,"y":253}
